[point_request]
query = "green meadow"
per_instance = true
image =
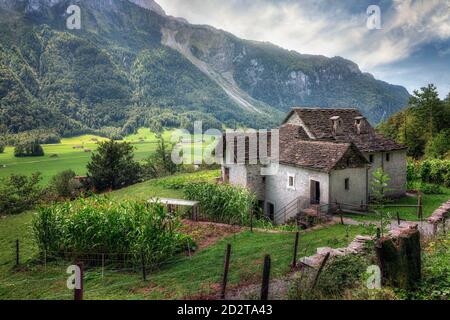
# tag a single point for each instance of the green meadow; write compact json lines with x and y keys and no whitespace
{"x":73,"y":153}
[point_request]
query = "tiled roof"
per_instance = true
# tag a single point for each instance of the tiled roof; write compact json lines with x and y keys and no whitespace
{"x":319,"y":124}
{"x":318,"y":155}
{"x":295,"y":150}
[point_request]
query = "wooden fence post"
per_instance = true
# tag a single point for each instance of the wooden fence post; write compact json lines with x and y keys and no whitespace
{"x":398,"y":218}
{"x":144,"y":271}
{"x":322,"y":265}
{"x":17,"y":253}
{"x":444,"y":220}
{"x":103,"y":265}
{"x":266,"y":278}
{"x":419,"y":207}
{"x":78,"y":293}
{"x":294,"y":259}
{"x":226,"y":266}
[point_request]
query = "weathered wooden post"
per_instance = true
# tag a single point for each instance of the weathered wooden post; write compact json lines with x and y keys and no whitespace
{"x":226,"y":267}
{"x":265,"y":278}
{"x":444,"y":220}
{"x":419,"y":207}
{"x":78,"y":293}
{"x":144,"y":271}
{"x":319,"y":271}
{"x":294,"y":259}
{"x":398,"y":218}
{"x":399,"y":257}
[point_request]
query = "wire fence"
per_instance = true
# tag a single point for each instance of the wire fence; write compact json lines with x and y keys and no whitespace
{"x":129,"y":276}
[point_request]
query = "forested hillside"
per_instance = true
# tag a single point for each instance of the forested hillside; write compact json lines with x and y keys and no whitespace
{"x":424,"y":126}
{"x":129,"y":66}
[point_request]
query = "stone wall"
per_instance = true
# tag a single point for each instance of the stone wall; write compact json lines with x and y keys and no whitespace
{"x":395,"y":168}
{"x":357,"y":192}
{"x":279,"y":194}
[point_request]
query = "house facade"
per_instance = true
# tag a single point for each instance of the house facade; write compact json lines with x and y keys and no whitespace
{"x":326,"y":156}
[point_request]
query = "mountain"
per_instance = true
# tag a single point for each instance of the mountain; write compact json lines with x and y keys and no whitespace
{"x":130,"y":65}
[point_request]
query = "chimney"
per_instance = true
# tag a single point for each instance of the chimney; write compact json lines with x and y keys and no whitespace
{"x":361,"y":125}
{"x":336,"y":125}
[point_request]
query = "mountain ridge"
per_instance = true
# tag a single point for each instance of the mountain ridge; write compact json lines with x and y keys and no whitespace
{"x":148,"y":67}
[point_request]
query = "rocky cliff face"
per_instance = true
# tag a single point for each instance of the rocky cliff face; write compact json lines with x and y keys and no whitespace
{"x":150,"y":5}
{"x":144,"y":59}
{"x":282,"y":78}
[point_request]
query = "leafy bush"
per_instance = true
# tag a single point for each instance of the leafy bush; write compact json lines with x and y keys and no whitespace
{"x":344,"y":272}
{"x":64,"y":185}
{"x":425,"y":188}
{"x":340,"y":274}
{"x":28,"y":149}
{"x":98,"y":225}
{"x":430,"y":171}
{"x":439,"y":145}
{"x":160,"y":163}
{"x":113,"y":166}
{"x":19,"y":193}
{"x":222,"y":202}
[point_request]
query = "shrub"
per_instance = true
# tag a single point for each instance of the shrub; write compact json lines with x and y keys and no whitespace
{"x":64,"y":185}
{"x":430,"y":171}
{"x":99,"y":225}
{"x":113,"y":166}
{"x":379,"y":185}
{"x":19,"y":193}
{"x":344,"y":272}
{"x":28,"y":149}
{"x":160,"y":163}
{"x":222,"y":202}
{"x":340,"y":274}
{"x":439,"y":145}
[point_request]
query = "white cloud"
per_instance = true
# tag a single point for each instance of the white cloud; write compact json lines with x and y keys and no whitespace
{"x":316,"y":28}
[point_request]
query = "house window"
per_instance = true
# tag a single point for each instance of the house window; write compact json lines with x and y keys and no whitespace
{"x":388,"y":157}
{"x":291,"y":181}
{"x":347,"y":184}
{"x":371,"y":158}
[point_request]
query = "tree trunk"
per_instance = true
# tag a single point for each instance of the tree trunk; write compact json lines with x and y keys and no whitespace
{"x":399,"y":257}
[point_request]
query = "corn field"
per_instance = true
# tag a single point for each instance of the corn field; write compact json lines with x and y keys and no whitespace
{"x":224,"y":203}
{"x":100,"y":225}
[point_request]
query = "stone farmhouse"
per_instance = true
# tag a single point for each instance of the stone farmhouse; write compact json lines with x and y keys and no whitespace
{"x":326,"y":156}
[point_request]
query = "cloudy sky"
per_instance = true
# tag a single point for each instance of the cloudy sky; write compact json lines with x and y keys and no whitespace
{"x":412,"y":48}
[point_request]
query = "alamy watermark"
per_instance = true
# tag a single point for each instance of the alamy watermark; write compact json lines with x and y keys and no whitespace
{"x":374,"y":17}
{"x":74,"y":280}
{"x":374,"y":280}
{"x":73,"y":22}
{"x":253,"y":147}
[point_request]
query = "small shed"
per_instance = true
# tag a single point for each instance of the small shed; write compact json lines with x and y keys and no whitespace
{"x":173,"y":204}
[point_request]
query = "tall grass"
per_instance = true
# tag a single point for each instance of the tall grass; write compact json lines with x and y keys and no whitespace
{"x":222,"y":202}
{"x":99,"y":225}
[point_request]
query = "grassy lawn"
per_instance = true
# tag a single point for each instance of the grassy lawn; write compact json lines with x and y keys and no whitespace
{"x":68,"y":157}
{"x":430,"y":203}
{"x":183,"y":277}
{"x":163,"y":187}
